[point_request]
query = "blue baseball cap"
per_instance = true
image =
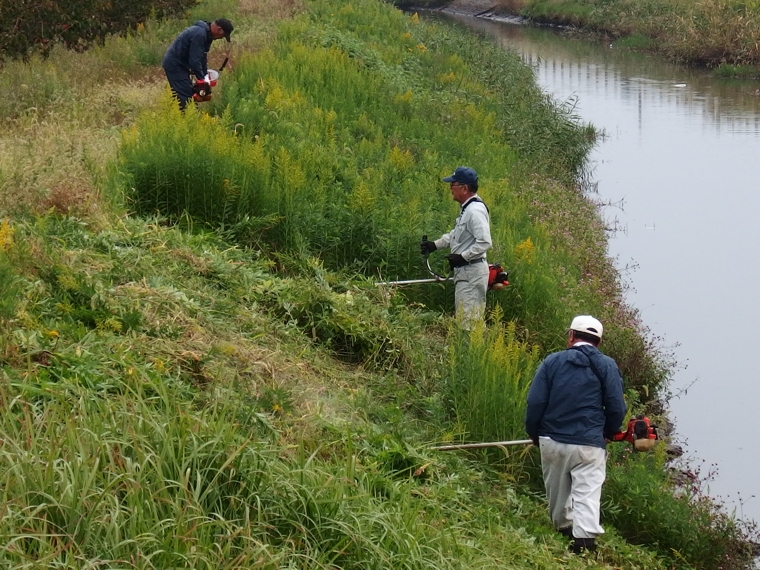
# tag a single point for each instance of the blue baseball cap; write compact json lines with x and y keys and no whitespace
{"x":463,"y":175}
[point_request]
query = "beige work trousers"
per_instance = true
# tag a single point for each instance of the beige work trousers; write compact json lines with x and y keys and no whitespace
{"x":573,"y":477}
{"x":470,"y":286}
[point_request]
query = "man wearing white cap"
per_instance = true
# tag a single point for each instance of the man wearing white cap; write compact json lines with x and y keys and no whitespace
{"x":575,"y":404}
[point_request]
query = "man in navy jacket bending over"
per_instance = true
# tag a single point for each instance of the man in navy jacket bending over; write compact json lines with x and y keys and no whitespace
{"x":187,"y":54}
{"x":575,"y":404}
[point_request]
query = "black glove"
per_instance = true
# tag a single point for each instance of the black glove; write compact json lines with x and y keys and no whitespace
{"x":427,"y":247}
{"x":456,"y":260}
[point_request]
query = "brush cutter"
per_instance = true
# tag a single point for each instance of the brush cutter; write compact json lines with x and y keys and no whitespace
{"x":497,"y":277}
{"x":202,"y":87}
{"x":640,"y":432}
{"x":481,"y":445}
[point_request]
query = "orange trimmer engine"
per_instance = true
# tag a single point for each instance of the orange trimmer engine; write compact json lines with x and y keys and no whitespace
{"x":202,"y":90}
{"x":497,"y":277}
{"x":202,"y":87}
{"x":641,"y":432}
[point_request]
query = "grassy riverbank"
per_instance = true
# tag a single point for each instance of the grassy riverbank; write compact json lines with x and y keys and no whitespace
{"x":719,"y":34}
{"x":197,"y":368}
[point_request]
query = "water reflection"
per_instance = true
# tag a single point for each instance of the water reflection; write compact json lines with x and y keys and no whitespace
{"x":681,"y":156}
{"x":569,"y":65}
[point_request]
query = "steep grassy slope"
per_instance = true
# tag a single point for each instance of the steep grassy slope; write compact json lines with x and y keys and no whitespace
{"x":197,"y":368}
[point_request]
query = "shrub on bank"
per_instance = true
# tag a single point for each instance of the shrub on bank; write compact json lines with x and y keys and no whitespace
{"x":711,"y":33}
{"x":647,"y":507}
{"x":39,"y":24}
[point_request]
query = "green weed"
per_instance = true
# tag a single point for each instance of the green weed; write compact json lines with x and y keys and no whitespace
{"x":647,"y":507}
{"x":487,"y":383}
{"x":636,"y":42}
{"x":740,"y":71}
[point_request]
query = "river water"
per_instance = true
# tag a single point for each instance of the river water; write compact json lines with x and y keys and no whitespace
{"x":680,"y":164}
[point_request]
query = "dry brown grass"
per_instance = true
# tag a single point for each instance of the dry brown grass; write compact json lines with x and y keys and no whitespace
{"x":510,"y":6}
{"x":53,"y":158}
{"x":270,"y":9}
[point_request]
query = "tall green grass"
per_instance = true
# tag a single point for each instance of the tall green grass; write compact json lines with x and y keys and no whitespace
{"x":140,"y":479}
{"x":490,"y":372}
{"x":639,"y":500}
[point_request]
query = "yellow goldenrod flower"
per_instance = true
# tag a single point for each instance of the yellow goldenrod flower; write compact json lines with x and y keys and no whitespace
{"x":404,"y":97}
{"x":526,"y":250}
{"x":6,"y":235}
{"x":402,"y":159}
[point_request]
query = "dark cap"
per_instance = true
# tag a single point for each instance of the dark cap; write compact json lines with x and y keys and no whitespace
{"x":463,"y":175}
{"x":226,"y":25}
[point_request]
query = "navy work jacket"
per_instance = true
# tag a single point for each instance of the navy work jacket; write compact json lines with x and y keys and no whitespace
{"x":189,"y":49}
{"x":569,"y":403}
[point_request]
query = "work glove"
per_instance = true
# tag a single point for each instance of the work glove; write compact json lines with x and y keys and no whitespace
{"x":456,"y":260}
{"x":427,"y":247}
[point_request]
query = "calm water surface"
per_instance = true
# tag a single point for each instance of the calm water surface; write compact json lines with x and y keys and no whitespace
{"x":682,"y":159}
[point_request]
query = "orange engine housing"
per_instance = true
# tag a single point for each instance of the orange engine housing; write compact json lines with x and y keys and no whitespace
{"x":497,"y":277}
{"x":202,"y":90}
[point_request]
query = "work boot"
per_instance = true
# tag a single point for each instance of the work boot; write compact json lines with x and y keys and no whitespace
{"x":581,"y":545}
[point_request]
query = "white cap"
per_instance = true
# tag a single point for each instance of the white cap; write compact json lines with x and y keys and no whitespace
{"x":587,"y":324}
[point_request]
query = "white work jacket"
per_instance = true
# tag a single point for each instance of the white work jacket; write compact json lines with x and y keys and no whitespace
{"x":471,"y":236}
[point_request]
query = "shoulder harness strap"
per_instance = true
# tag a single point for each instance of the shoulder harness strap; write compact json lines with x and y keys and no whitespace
{"x":594,"y":369}
{"x":475,"y":199}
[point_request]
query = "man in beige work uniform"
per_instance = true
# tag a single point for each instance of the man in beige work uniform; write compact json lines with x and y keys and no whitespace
{"x":468,"y":241}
